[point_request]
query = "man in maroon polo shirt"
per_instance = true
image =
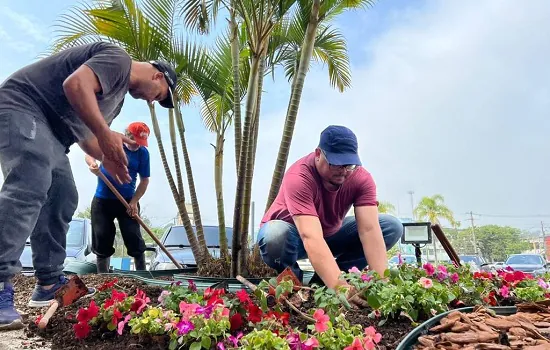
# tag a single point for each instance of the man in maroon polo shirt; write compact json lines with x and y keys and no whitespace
{"x":308,"y":217}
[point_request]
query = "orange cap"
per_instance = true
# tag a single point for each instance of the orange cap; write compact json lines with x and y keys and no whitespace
{"x":140,"y":131}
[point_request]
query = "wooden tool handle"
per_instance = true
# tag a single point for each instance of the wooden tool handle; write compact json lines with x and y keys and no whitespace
{"x":138,"y":219}
{"x":46,"y":318}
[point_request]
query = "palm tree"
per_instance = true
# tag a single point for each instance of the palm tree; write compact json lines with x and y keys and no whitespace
{"x":317,"y":12}
{"x":148,"y":33}
{"x":216,"y":115}
{"x":432,"y":209}
{"x":386,"y":207}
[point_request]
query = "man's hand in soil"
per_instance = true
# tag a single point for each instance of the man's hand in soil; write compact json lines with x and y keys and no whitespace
{"x":114,"y":158}
{"x":354,"y":298}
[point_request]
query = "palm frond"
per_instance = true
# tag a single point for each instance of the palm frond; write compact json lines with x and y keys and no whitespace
{"x":199,"y":15}
{"x":330,"y":48}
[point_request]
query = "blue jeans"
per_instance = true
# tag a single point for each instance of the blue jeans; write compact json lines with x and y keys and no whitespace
{"x":38,"y":197}
{"x":281,"y":245}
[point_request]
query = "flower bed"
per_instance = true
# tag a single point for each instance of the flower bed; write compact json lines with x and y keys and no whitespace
{"x":281,"y":314}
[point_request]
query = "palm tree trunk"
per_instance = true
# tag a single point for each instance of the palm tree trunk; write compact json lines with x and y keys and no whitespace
{"x":191,"y":183}
{"x":249,"y":173}
{"x":252,"y":159}
{"x":238,"y":243}
{"x":172,"y":130}
{"x":235,"y":56}
{"x":178,"y":197}
{"x":218,"y":181}
{"x":290,"y":121}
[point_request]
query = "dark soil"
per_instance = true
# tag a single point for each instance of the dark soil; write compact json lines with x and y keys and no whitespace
{"x":60,"y":329}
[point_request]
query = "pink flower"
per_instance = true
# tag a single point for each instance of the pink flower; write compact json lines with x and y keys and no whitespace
{"x":426,"y":282}
{"x":235,"y":340}
{"x":442,"y":273}
{"x":311,"y":343}
{"x":504,"y":292}
{"x":399,"y":259}
{"x":429,"y":268}
{"x":321,"y":320}
{"x":188,"y":310}
{"x":543,"y":284}
{"x":163,"y":295}
{"x":355,"y":345}
{"x":354,"y":270}
{"x":121,"y":324}
{"x":454,"y":277}
{"x":370,"y":333}
{"x":366,"y":277}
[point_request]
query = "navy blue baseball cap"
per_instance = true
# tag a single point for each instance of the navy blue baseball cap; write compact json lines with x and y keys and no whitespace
{"x":339,"y":145}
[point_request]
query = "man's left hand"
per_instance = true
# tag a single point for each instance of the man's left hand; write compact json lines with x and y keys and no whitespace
{"x":133,"y":210}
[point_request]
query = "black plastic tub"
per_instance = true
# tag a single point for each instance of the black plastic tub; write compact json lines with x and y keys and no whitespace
{"x":412,"y":338}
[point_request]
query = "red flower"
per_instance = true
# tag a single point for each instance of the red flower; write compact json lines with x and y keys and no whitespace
{"x":243,"y":296}
{"x":107,"y":285}
{"x":282,"y":317}
{"x":491,"y":299}
{"x":254,"y":313}
{"x":118,"y":296}
{"x":86,"y":315}
{"x":116,"y":316}
{"x":213,"y":293}
{"x":81,"y":330}
{"x":236,"y":321}
{"x":140,"y":302}
{"x":484,"y":275}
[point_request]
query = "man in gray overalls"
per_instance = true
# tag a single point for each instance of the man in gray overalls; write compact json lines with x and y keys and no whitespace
{"x":67,"y":98}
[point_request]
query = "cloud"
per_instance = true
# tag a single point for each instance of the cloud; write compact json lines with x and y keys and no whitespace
{"x":449,"y":98}
{"x":26,"y":23}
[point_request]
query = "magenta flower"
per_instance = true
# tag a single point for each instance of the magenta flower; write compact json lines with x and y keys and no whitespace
{"x":429,"y":268}
{"x":184,"y":327}
{"x":442,"y":273}
{"x":366,"y":277}
{"x":454,"y":277}
{"x":205,"y":310}
{"x":399,"y":259}
{"x":504,"y":292}
{"x":192,"y":286}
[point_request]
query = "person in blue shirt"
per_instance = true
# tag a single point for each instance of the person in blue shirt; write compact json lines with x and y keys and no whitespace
{"x":106,"y":207}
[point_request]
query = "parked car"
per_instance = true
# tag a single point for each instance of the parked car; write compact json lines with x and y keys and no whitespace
{"x":79,"y":245}
{"x":528,"y":263}
{"x":176,"y":242}
{"x":478,"y":263}
{"x":407,"y":259}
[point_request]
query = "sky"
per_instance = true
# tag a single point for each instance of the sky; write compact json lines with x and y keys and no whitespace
{"x":448,"y":97}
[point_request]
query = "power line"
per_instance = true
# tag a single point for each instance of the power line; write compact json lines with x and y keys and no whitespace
{"x":512,"y":216}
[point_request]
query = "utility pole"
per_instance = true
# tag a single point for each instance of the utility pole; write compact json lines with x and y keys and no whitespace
{"x":412,"y":203}
{"x":543,"y":240}
{"x":252,"y":222}
{"x":473,"y":232}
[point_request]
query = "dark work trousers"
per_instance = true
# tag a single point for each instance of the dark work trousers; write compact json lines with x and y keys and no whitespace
{"x":38,"y":197}
{"x":104,"y":213}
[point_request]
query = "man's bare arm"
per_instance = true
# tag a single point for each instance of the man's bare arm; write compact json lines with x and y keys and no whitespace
{"x":371,"y":238}
{"x":317,"y":249}
{"x":91,"y":147}
{"x":81,"y":88}
{"x":141,"y":188}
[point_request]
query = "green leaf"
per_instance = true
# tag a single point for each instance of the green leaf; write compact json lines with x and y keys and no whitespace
{"x":195,"y":346}
{"x":387,"y":273}
{"x":206,"y":342}
{"x":278,"y":291}
{"x":373,"y":301}
{"x":344,"y":301}
{"x":409,"y":298}
{"x":173,"y":344}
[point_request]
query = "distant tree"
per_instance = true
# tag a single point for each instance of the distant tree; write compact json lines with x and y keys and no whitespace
{"x":497,"y":242}
{"x":85,"y":214}
{"x":386,"y":208}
